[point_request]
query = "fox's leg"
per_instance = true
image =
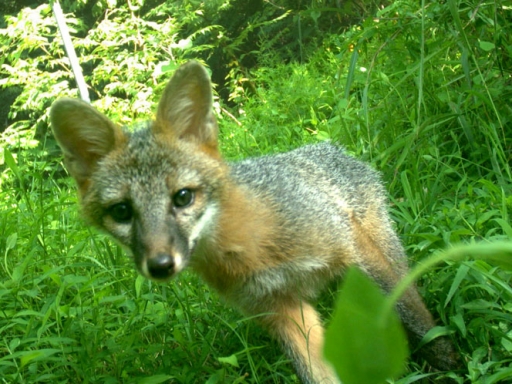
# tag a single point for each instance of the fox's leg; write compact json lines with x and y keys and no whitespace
{"x":418,"y":321}
{"x":381,"y":256}
{"x":298,"y":328}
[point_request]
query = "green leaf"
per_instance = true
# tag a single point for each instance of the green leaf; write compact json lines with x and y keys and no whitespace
{"x":139,"y":281}
{"x":14,"y":344}
{"x":156,"y":379}
{"x":461,"y":275}
{"x":505,"y":226}
{"x":458,"y":320}
{"x":231,"y":360}
{"x":30,"y":356}
{"x":10,"y":243}
{"x":178,"y":336}
{"x":351,"y":72}
{"x":434,"y":333}
{"x":323,"y":136}
{"x":506,"y":343}
{"x":169,"y":66}
{"x":9,"y":160}
{"x":486,"y":45}
{"x":362,"y":345}
{"x":503,"y":375}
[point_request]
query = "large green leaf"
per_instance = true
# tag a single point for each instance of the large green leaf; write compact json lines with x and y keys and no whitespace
{"x":362,"y":344}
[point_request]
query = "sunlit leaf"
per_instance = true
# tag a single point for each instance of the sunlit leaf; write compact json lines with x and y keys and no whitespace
{"x":231,"y":360}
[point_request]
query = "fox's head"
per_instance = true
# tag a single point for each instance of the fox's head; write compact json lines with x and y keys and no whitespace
{"x":157,"y":189}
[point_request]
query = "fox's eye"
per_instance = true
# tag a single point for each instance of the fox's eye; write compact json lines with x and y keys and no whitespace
{"x":121,"y":212}
{"x":183,"y":198}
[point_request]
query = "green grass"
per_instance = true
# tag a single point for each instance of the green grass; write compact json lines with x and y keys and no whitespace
{"x":434,"y":120}
{"x":73,"y":309}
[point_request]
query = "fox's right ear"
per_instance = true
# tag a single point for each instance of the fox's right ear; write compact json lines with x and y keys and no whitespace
{"x":85,"y":136}
{"x":185,"y":109}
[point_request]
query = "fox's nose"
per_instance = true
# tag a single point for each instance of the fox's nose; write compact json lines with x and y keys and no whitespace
{"x":161,"y":266}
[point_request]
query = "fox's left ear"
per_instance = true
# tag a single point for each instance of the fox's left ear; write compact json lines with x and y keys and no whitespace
{"x":185,"y":109}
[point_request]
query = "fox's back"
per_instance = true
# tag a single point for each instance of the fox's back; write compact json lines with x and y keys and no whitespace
{"x":319,"y":184}
{"x":325,"y":204}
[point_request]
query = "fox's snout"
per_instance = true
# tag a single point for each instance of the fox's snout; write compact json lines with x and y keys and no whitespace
{"x":159,"y":254}
{"x":160,"y":267}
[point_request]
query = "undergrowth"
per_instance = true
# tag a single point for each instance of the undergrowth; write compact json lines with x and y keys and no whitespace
{"x":420,"y":92}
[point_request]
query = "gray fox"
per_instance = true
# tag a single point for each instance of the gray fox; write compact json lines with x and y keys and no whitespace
{"x":267,"y":233}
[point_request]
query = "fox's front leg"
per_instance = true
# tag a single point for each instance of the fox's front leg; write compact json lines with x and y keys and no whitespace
{"x":298,"y":328}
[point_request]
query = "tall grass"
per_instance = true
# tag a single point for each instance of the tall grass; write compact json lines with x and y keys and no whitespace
{"x":420,"y":92}
{"x":74,"y":310}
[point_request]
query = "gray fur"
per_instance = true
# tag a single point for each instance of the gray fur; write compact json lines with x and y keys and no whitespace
{"x":300,"y":217}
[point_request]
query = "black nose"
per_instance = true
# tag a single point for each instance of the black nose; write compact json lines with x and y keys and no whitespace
{"x":161,"y":266}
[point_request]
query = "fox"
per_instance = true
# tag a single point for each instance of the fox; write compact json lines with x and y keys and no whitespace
{"x":267,"y":233}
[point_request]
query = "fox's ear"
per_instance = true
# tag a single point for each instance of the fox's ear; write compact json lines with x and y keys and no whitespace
{"x":85,"y":136}
{"x":185,"y":109}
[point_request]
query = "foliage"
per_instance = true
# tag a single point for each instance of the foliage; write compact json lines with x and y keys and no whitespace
{"x":419,"y":90}
{"x":365,"y":340}
{"x":125,"y":59}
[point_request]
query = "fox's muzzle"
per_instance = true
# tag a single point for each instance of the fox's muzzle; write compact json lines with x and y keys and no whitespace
{"x":161,"y":253}
{"x":160,"y":267}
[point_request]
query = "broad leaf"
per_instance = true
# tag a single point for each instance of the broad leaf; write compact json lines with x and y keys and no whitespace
{"x":363,"y":346}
